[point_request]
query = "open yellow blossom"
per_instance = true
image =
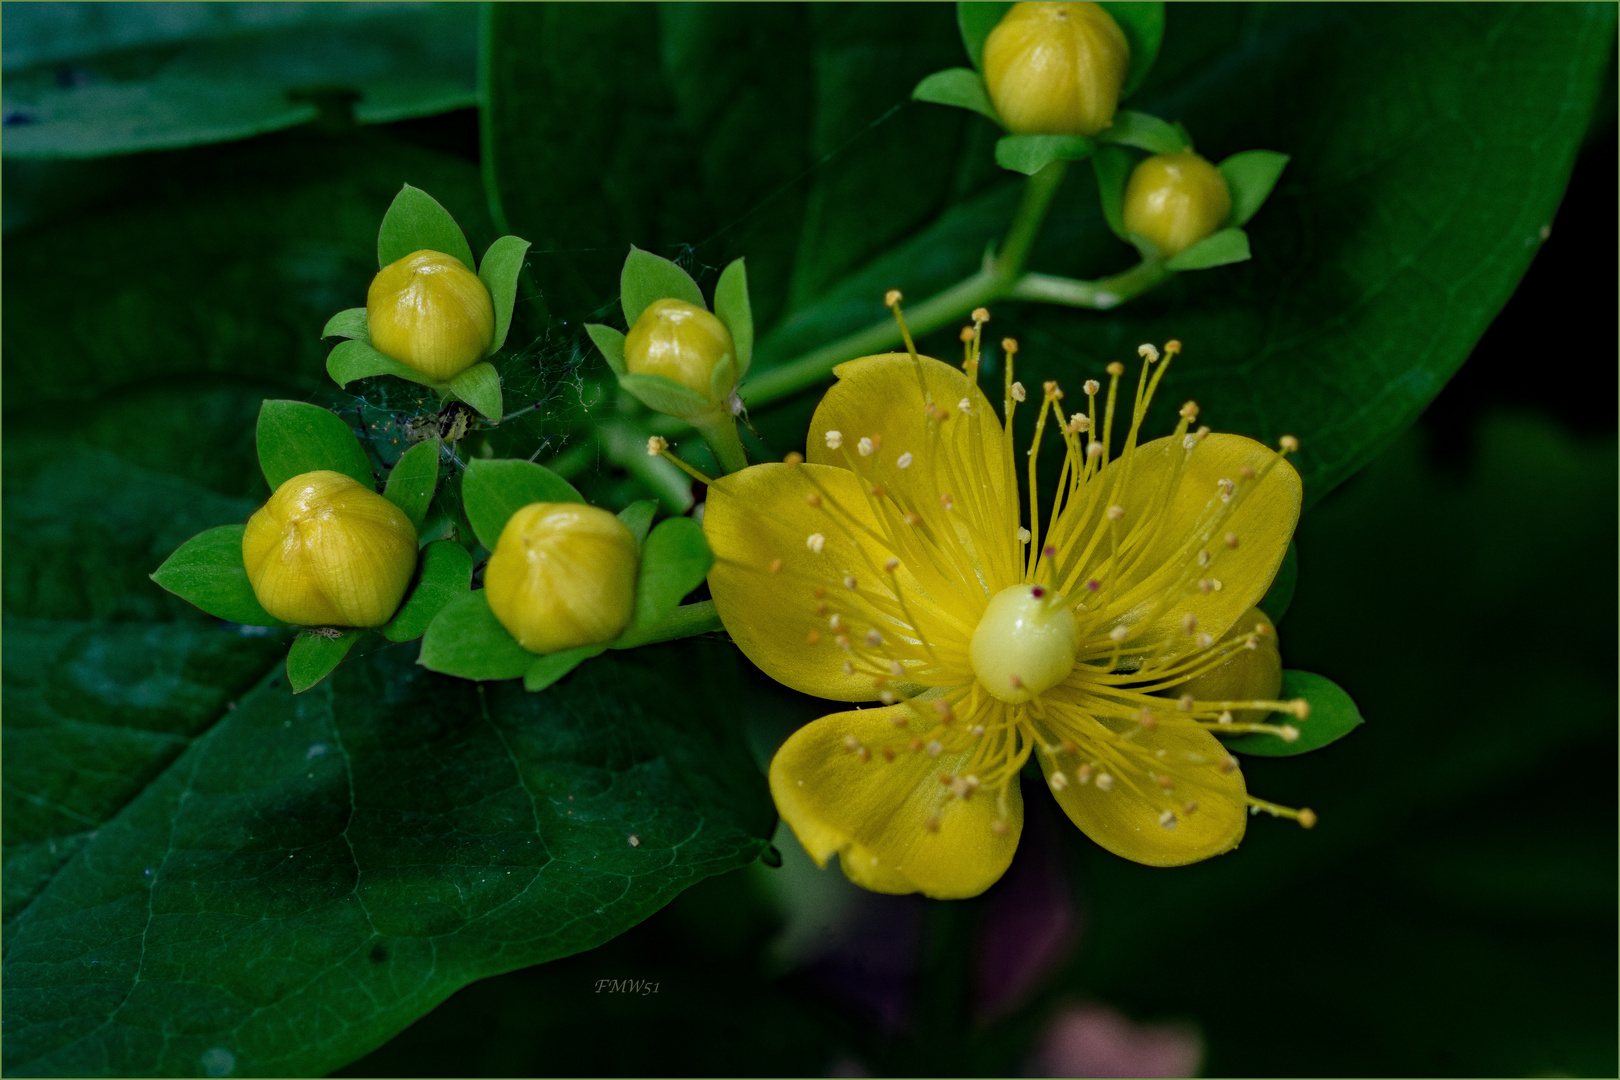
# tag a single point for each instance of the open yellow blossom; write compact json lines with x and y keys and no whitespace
{"x":895,"y":566}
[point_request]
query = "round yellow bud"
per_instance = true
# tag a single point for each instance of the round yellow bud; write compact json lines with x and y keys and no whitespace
{"x":1175,"y":200}
{"x":430,"y":312}
{"x":679,"y":341}
{"x":328,"y":551}
{"x":563,"y":575}
{"x":1056,"y":69}
{"x":1247,"y":675}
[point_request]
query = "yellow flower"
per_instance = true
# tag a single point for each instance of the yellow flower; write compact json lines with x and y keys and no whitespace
{"x":894,"y":566}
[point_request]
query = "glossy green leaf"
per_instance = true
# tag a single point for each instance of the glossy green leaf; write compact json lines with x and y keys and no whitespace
{"x":1145,"y":132}
{"x":1250,"y":176}
{"x":665,"y":395}
{"x":610,"y":343}
{"x":1281,"y":594}
{"x":1143,"y":23}
{"x":1029,"y":154}
{"x":348,"y":323}
{"x":1333,"y":716}
{"x":638,"y":517}
{"x":960,"y":87}
{"x":1217,"y":249}
{"x":674,"y":561}
{"x":415,"y":222}
{"x":207,"y":572}
{"x":295,"y":437}
{"x":548,"y":669}
{"x":351,"y":360}
{"x":499,"y":271}
{"x":1112,"y":167}
{"x":315,"y":655}
{"x":480,"y":387}
{"x":445,"y":571}
{"x":467,"y":641}
{"x":492,"y":491}
{"x":732,"y":308}
{"x":413,"y":480}
{"x":975,"y":19}
{"x":647,"y":277}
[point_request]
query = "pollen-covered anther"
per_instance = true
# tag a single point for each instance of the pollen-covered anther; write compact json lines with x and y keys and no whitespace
{"x":1301,"y":708}
{"x":946,"y":502}
{"x":965,"y":406}
{"x":1225,"y":717}
{"x":842,"y":641}
{"x":1189,"y":622}
{"x":1078,"y":424}
{"x":1023,"y":535}
{"x":892,"y":297}
{"x":932,"y":824}
{"x":835,"y":622}
{"x":1307,"y":818}
{"x":896,"y":668}
{"x":1203,"y":641}
{"x":934,"y":748}
{"x":1205,"y":585}
{"x":888,"y":753}
{"x":900,"y":721}
{"x":980,"y":315}
{"x":1120,"y":633}
{"x":1083,"y":773}
{"x":903,"y":461}
{"x":966,"y":335}
{"x":815,"y":542}
{"x":1146,"y":719}
{"x":912,"y":519}
{"x":1114,"y":513}
{"x":1288,"y":733}
{"x":1115,"y":369}
{"x":835,"y":439}
{"x":1052,"y":391}
{"x":1189,"y":410}
{"x":812,"y":499}
{"x":864,"y":754}
{"x":1203,"y":556}
{"x":1168,"y":819}
{"x":961,"y":788}
{"x":1018,"y":392}
{"x":891,"y":564}
{"x":1231,"y":539}
{"x":851,"y":743}
{"x":849,"y":668}
{"x":1263,"y":629}
{"x":1058,"y":781}
{"x":1247,"y":472}
{"x":1091,"y":387}
{"x":849,"y":582}
{"x":1172,"y":347}
{"x":776,"y":566}
{"x":1009,"y":345}
{"x":998,"y":827}
{"x":1229,"y":764}
{"x":812,"y":637}
{"x":887,"y":697}
{"x":793,"y":457}
{"x":1288,"y":444}
{"x":943,"y":708}
{"x":1185,"y":703}
{"x":1150,"y":353}
{"x":873,"y":638}
{"x":977,"y":730}
{"x":864,"y":448}
{"x":1094,"y":450}
{"x":1227,"y":488}
{"x":656,"y":445}
{"x":1104,"y":782}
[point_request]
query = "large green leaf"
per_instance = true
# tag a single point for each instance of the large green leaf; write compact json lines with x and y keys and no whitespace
{"x":87,"y":80}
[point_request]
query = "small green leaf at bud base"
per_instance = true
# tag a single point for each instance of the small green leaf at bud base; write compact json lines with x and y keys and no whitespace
{"x":431,"y":313}
{"x":1176,"y":200}
{"x":563,"y":575}
{"x":682,"y":342}
{"x":328,"y":551}
{"x":1056,"y":68}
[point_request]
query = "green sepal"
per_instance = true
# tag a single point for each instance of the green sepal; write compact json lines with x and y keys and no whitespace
{"x":1281,"y":594}
{"x":295,"y":437}
{"x":647,"y":277}
{"x":1250,"y":176}
{"x":1145,"y":132}
{"x":610,"y":343}
{"x":413,"y":479}
{"x":207,"y":572}
{"x":1143,"y":24}
{"x":732,"y":307}
{"x":674,"y":561}
{"x":415,"y":221}
{"x":1113,"y":168}
{"x":1230,"y":245}
{"x":444,"y":571}
{"x":638,"y":517}
{"x":1333,"y":716}
{"x":348,"y":323}
{"x":723,"y":379}
{"x":962,"y":88}
{"x":492,"y":491}
{"x":499,"y":271}
{"x":467,"y":641}
{"x":665,"y":395}
{"x":356,"y":359}
{"x":975,"y":21}
{"x":480,"y":387}
{"x":1029,"y":154}
{"x":548,"y":669}
{"x":314,"y":656}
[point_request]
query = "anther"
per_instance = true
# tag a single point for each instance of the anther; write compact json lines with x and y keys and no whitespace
{"x":812,"y":499}
{"x":1289,"y":444}
{"x":977,"y":730}
{"x":1077,"y":424}
{"x":1172,"y":347}
{"x":981,"y":315}
{"x":864,"y":754}
{"x":873,"y":638}
{"x":900,"y":721}
{"x":932,"y":824}
{"x":1260,"y":628}
{"x":1185,"y":703}
{"x":835,"y":623}
{"x":943,"y":708}
{"x":1145,"y":718}
{"x":1051,"y":390}
{"x":1189,"y":807}
{"x":1114,"y":513}
{"x":892,"y":297}
{"x":793,"y":458}
{"x":1228,"y":764}
{"x":849,"y":582}
{"x":1148,"y":352}
{"x":815,"y":542}
{"x":812,"y":637}
{"x":888,"y":753}
{"x":1083,"y":773}
{"x":1165,"y":782}
{"x":946,"y":501}
{"x":965,"y":406}
{"x":656,"y":445}
{"x":1037,"y":591}
{"x":998,"y":827}
{"x":961,"y":788}
{"x":1189,"y":410}
{"x":820,"y":591}
{"x":1168,"y":819}
{"x":903,"y":461}
{"x":1119,"y":633}
{"x":1067,"y":746}
{"x":1307,"y":818}
{"x":1204,"y":641}
{"x":887,"y":697}
{"x":1224,"y":718}
{"x":915,"y":744}
{"x":821,"y":609}
{"x":1302,"y":708}
{"x":891,"y":564}
{"x":1203,"y":557}
{"x":1231,"y":539}
{"x":864,"y":448}
{"x":1205,"y":585}
{"x":1091,"y":387}
{"x":1104,"y":782}
{"x":1049,"y":551}
{"x":1059,"y":781}
{"x":912,"y":519}
{"x":851,"y":743}
{"x":966,"y":335}
{"x":1227,"y":488}
{"x":877,"y":442}
{"x":934,"y":748}
{"x":896,"y":669}
{"x":1288,"y":733}
{"x":835,"y":439}
{"x":1115,"y":369}
{"x":776,"y":566}
{"x":1023,"y":535}
{"x":842,"y":641}
{"x":938,"y":412}
{"x":1095,"y":450}
{"x":1018,"y":391}
{"x":849,"y":668}
{"x":1009,"y":346}
{"x":1247,"y":472}
{"x":1189,"y":622}
{"x":1015,"y":682}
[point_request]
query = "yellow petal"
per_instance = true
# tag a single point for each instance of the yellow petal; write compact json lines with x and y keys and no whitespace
{"x":1166,"y":568}
{"x":1129,"y":817}
{"x":875,"y":815}
{"x":760,"y":518}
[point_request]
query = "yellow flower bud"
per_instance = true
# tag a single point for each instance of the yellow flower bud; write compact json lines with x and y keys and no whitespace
{"x":1056,"y":69}
{"x":563,"y":575}
{"x":679,"y":341}
{"x":328,"y":551}
{"x":430,"y":312}
{"x":1175,"y":200}
{"x":1249,"y":675}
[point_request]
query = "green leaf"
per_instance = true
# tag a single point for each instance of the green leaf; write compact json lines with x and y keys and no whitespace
{"x":959,"y":87}
{"x":314,"y":656}
{"x":480,"y":387}
{"x":295,"y":437}
{"x":467,"y":641}
{"x":1113,"y":168}
{"x":1333,"y":716}
{"x":638,"y":517}
{"x":1217,"y":249}
{"x":1145,"y":132}
{"x":1029,"y":154}
{"x":348,"y":323}
{"x":1281,"y":594}
{"x":976,"y":19}
{"x":1250,"y":176}
{"x":674,"y":561}
{"x":499,"y":271}
{"x":610,"y":343}
{"x":492,"y":491}
{"x":415,"y":222}
{"x":665,"y":395}
{"x":731,"y":307}
{"x":351,"y":360}
{"x":413,"y":480}
{"x":1143,"y":24}
{"x":207,"y":571}
{"x":646,"y":278}
{"x":445,"y":571}
{"x":202,"y":75}
{"x":548,"y":669}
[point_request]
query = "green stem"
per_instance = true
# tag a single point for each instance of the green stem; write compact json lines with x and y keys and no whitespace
{"x":721,"y":435}
{"x":688,"y":620}
{"x":1101,"y":295}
